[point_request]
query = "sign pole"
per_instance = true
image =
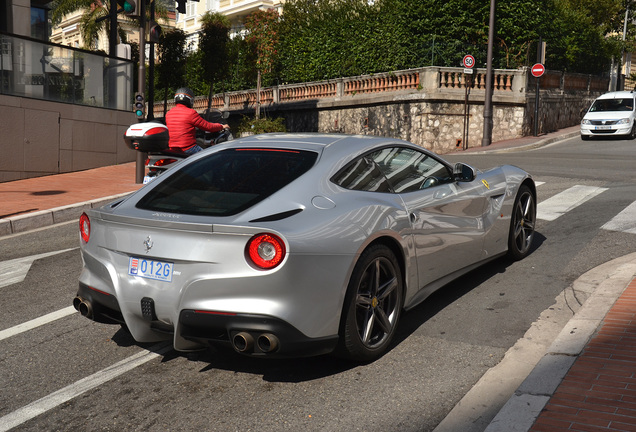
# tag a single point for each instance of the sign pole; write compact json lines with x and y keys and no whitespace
{"x":536,"y":108}
{"x":465,"y":135}
{"x":468,"y":61}
{"x":537,"y":72}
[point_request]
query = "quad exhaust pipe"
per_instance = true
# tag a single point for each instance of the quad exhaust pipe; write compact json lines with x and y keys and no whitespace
{"x":84,"y":307}
{"x":267,"y":342}
{"x":245,"y":343}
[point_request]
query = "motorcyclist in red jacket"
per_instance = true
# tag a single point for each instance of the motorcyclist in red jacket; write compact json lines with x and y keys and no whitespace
{"x":182,"y":121}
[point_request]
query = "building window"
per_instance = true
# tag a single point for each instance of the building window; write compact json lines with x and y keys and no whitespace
{"x":39,"y":24}
{"x":212,"y":5}
{"x":191,"y":9}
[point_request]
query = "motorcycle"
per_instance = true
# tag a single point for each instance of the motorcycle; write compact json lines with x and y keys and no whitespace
{"x":153,"y":138}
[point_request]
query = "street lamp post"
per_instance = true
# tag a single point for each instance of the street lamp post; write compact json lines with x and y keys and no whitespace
{"x":487,"y":132}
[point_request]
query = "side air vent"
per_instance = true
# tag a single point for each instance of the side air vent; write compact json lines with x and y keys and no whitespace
{"x":278,"y":216}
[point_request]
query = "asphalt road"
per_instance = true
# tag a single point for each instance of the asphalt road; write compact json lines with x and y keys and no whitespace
{"x":68,"y":373}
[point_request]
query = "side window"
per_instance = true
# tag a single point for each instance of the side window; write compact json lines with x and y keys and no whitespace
{"x":364,"y":175}
{"x":409,"y":170}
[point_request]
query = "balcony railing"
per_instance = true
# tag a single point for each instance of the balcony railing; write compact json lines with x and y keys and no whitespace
{"x":35,"y":69}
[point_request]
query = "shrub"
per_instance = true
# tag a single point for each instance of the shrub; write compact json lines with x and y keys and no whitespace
{"x":262,"y":125}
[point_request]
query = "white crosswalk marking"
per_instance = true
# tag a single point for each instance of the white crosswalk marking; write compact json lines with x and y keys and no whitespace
{"x":625,"y":221}
{"x":565,"y":201}
{"x":15,"y":270}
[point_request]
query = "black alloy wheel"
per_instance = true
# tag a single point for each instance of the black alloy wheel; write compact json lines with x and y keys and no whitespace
{"x":373,"y":305}
{"x":522,"y":224}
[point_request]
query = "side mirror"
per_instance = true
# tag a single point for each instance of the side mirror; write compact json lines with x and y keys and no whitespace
{"x":464,"y":173}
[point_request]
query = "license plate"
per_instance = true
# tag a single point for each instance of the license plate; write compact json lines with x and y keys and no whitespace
{"x":602,"y":127}
{"x":148,"y":179}
{"x":150,"y":269}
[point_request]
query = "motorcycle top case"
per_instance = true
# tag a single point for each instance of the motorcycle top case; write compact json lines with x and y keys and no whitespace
{"x":147,"y":137}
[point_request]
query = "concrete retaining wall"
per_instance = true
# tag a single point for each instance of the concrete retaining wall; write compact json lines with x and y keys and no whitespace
{"x":42,"y":138}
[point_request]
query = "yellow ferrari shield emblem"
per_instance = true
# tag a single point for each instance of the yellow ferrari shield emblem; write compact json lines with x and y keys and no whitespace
{"x":486,"y":184}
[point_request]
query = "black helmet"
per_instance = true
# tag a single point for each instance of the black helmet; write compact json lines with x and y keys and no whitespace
{"x":184,"y":96}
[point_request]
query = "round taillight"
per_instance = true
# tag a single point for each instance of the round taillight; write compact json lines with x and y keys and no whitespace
{"x":266,"y":251}
{"x":85,"y":227}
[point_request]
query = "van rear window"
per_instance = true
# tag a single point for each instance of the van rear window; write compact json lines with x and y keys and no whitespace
{"x":227,"y":182}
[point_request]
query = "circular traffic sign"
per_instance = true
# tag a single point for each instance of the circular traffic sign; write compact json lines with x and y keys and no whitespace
{"x":468,"y":61}
{"x":537,"y":70}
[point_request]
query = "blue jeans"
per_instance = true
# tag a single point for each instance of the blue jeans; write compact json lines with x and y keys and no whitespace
{"x":192,"y":150}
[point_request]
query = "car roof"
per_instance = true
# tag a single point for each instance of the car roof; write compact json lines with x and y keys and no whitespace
{"x":337,"y":146}
{"x":617,"y":95}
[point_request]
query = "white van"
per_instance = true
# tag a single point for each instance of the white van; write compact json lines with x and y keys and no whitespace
{"x":611,"y":114}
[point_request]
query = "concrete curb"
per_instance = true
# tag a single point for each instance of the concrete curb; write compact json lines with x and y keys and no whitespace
{"x":523,"y":408}
{"x":44,"y":218}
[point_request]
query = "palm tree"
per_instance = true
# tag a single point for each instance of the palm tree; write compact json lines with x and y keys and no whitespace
{"x":95,"y":15}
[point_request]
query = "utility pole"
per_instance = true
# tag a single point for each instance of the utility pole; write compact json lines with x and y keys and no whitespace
{"x":140,"y":167}
{"x":112,"y":53}
{"x":151,"y":70}
{"x":487,"y":133}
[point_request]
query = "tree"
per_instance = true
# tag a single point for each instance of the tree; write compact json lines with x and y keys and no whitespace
{"x":213,"y":50}
{"x":262,"y":27}
{"x":94,"y":17}
{"x":322,"y":39}
{"x":171,"y":69}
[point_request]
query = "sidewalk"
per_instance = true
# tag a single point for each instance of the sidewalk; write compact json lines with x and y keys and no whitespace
{"x":586,"y":381}
{"x":42,"y":201}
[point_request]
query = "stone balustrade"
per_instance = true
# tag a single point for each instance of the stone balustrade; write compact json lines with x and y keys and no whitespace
{"x":426,"y":81}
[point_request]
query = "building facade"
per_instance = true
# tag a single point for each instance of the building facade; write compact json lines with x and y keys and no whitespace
{"x":235,"y":10}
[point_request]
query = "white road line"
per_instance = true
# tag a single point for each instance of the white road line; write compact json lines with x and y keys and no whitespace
{"x":15,"y":270}
{"x":37,"y":322}
{"x":61,"y":396}
{"x":565,"y":201}
{"x":625,"y":221}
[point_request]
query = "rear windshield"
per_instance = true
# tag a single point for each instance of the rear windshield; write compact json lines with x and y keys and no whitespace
{"x":227,"y":182}
{"x":600,"y":105}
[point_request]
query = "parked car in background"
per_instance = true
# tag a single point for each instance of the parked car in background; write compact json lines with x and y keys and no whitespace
{"x":296,"y":244}
{"x":612,"y":114}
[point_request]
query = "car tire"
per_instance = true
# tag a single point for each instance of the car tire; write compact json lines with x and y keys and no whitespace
{"x":522,"y":223}
{"x":372,"y":306}
{"x":585,"y":137}
{"x":632,"y":132}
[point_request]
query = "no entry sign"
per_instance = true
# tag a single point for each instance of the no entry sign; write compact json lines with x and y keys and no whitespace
{"x":537,"y":70}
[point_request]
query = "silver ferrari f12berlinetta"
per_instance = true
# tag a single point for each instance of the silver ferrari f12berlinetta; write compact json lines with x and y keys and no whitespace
{"x":296,"y":244}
